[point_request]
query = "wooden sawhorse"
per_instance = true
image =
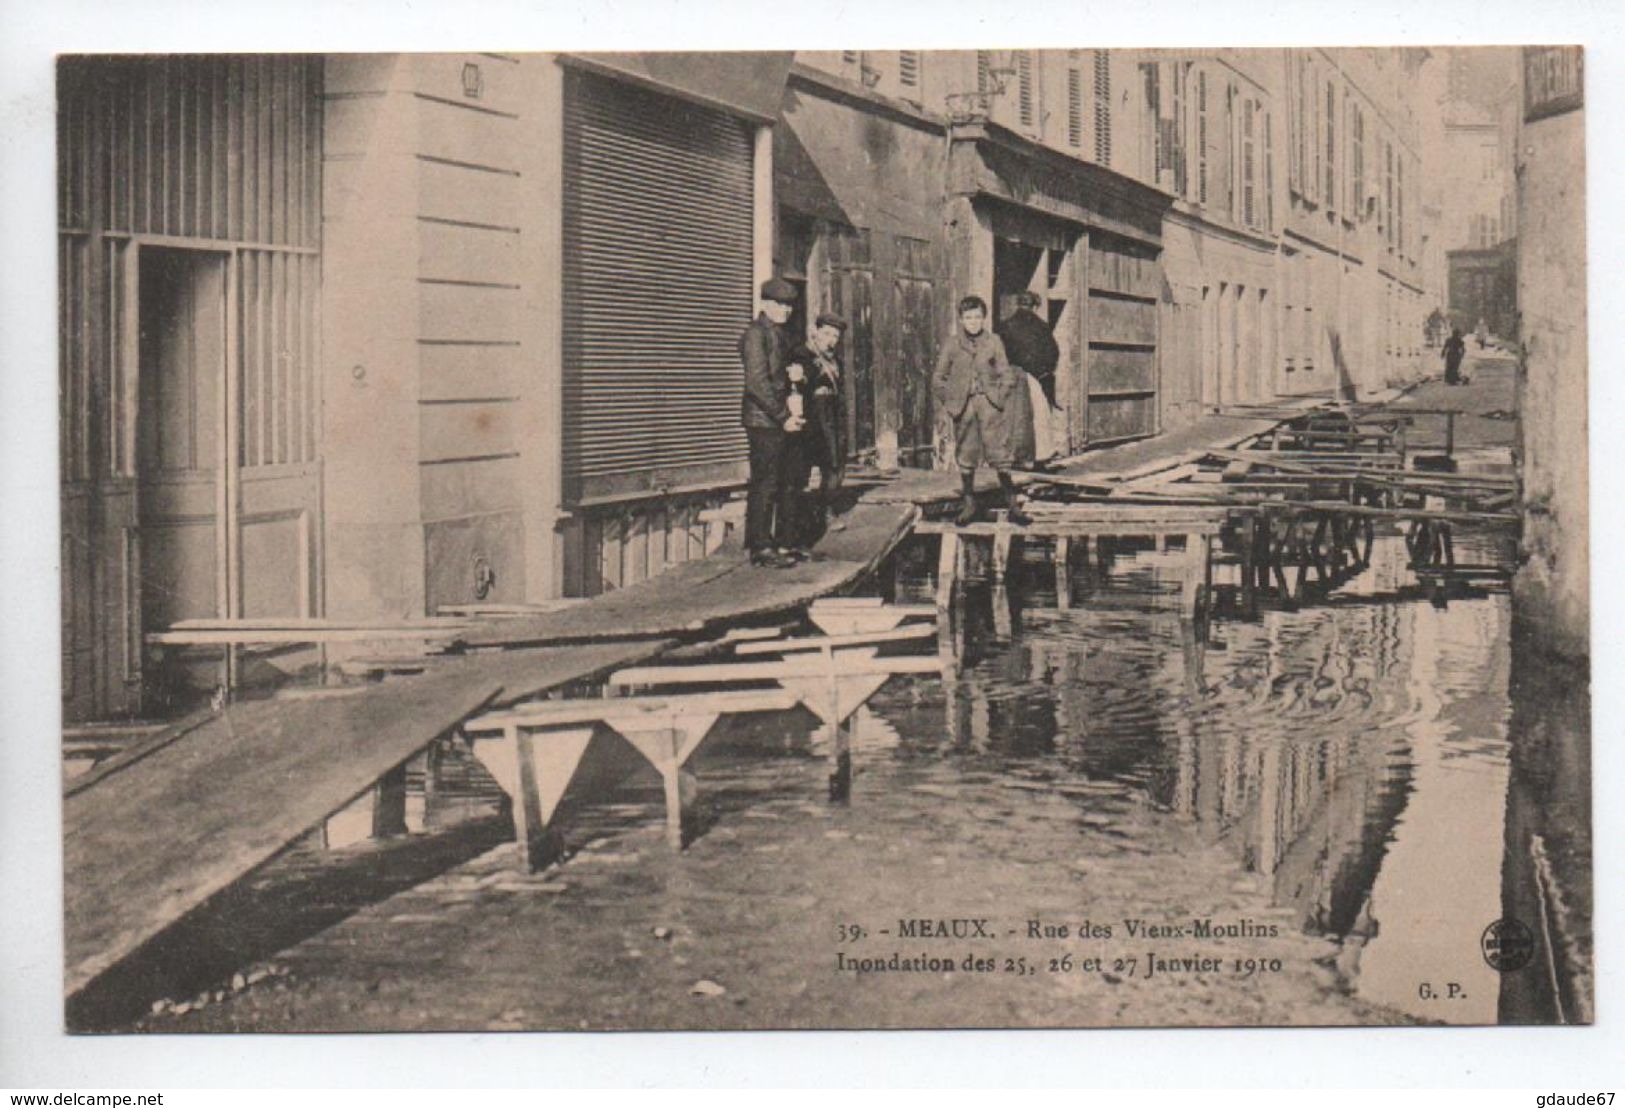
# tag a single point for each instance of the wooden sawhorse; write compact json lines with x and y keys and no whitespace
{"x":534,"y":749}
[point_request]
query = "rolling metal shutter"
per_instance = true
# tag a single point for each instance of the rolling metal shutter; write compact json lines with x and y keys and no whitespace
{"x":657,"y":287}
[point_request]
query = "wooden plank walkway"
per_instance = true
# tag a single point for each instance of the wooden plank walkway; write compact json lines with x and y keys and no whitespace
{"x":200,"y":805}
{"x":191,"y":810}
{"x":697,"y":595}
{"x":153,"y":841}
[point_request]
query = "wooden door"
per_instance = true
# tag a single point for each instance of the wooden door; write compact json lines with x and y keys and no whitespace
{"x":914,"y":306}
{"x":849,"y":293}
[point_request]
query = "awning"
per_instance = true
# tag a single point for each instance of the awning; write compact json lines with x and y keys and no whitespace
{"x":747,"y":83}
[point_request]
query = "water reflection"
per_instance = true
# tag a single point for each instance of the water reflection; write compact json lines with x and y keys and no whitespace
{"x":1353,"y":754}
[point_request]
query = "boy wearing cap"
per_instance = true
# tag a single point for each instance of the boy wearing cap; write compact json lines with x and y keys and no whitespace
{"x":765,"y":412}
{"x":987,"y":401}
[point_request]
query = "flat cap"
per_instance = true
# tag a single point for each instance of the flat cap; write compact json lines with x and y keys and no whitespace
{"x":828,"y":320}
{"x":777,"y":288}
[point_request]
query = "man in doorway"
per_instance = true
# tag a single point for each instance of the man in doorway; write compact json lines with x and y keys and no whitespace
{"x":988,"y":403}
{"x":765,"y":412}
{"x":1031,"y":347}
{"x":826,"y":413}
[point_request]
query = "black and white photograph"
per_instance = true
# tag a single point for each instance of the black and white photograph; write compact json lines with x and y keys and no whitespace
{"x":823,"y":539}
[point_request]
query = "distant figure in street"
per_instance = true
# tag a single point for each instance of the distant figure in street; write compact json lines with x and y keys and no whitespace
{"x":988,"y":404}
{"x":1030,"y":345}
{"x":824,"y":442}
{"x":1454,"y":351}
{"x":1436,"y":327}
{"x":765,"y":412}
{"x":1483,"y":333}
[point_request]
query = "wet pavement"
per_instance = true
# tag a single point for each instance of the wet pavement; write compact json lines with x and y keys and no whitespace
{"x":1105,"y":815}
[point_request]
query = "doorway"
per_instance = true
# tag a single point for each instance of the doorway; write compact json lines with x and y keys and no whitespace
{"x":181,"y":438}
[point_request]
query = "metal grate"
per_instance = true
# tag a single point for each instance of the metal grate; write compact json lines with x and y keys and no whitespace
{"x":1103,"y":108}
{"x":1074,"y":106}
{"x":908,"y":69}
{"x":657,"y":286}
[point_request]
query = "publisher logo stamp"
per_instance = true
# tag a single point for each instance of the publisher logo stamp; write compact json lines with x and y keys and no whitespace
{"x":1507,"y":945}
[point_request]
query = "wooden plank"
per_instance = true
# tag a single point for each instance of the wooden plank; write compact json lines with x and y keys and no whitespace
{"x":318,"y":623}
{"x":1121,"y":321}
{"x":720,"y":673}
{"x":950,"y":560}
{"x":1063,"y":572}
{"x":1114,"y":510}
{"x":266,"y":638}
{"x":1396,"y":514}
{"x":1043,"y":530}
{"x":714,"y":591}
{"x":503,"y":611}
{"x":617,"y":711}
{"x":830,"y":642}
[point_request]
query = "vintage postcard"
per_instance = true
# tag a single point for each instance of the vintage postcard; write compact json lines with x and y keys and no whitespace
{"x":831,"y":539}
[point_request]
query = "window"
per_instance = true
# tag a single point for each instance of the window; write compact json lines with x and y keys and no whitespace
{"x":1299,"y":129}
{"x":1201,"y":136}
{"x":1316,"y":141}
{"x":1388,"y":193}
{"x":1176,"y":126}
{"x":1399,"y":206}
{"x":1153,"y":122}
{"x":1025,"y":92}
{"x":1074,"y":105}
{"x":908,"y":74}
{"x":984,"y":71}
{"x":1232,"y":161}
{"x":1103,"y":108}
{"x":1358,"y":169}
{"x":1248,"y":205}
{"x":1269,"y":176}
{"x":1331,"y":144}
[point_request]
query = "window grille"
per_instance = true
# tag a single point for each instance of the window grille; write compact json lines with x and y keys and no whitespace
{"x":1201,"y":136}
{"x":1248,"y":207}
{"x":1331,"y":143}
{"x":1074,"y":106}
{"x":1269,"y":176}
{"x":1103,"y":108}
{"x":1024,"y":87}
{"x":908,"y":69}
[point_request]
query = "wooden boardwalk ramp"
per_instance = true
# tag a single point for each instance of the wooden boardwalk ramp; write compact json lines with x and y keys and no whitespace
{"x":147,"y":844}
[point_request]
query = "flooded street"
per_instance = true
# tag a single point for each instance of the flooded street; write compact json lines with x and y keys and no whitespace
{"x":1352,"y":755}
{"x":1098,"y":816}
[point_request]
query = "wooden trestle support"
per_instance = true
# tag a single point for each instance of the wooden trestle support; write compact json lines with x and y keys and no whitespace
{"x":534,"y":749}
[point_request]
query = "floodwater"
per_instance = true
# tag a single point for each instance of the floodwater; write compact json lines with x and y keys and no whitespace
{"x":1328,"y":782}
{"x":1352,"y":753}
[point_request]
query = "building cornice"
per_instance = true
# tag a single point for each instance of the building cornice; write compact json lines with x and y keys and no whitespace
{"x":1186,"y":216}
{"x":830,"y":87}
{"x":990,"y":160}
